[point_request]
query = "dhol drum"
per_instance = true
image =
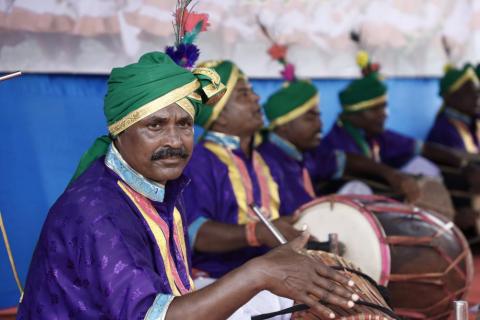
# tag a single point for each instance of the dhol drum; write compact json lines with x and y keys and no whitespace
{"x":422,"y":258}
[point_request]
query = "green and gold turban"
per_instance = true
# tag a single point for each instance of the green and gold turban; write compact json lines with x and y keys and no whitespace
{"x":290,"y":102}
{"x":141,"y":89}
{"x":363,"y":93}
{"x":454,"y":79}
{"x":229,"y":75}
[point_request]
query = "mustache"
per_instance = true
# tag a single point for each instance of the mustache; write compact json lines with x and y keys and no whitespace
{"x":168,"y":152}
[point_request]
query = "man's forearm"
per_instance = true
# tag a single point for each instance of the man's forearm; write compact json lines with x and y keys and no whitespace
{"x":443,"y":155}
{"x":358,"y":165}
{"x":220,"y":299}
{"x":215,"y":236}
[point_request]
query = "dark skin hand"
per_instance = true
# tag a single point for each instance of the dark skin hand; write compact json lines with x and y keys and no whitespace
{"x":286,"y":271}
{"x":241,"y":117}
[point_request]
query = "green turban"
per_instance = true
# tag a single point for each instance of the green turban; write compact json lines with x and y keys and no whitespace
{"x":454,"y":79}
{"x":141,"y":89}
{"x":477,"y":71}
{"x":290,"y":102}
{"x":229,"y":75}
{"x":363,"y":93}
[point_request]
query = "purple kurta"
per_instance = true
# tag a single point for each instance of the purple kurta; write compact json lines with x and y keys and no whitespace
{"x":211,"y":196}
{"x":96,"y":257}
{"x":287,"y":169}
{"x":394,"y":149}
{"x":324,"y":163}
{"x":445,"y":132}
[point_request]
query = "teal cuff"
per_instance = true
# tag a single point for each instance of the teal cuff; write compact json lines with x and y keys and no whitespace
{"x":193,"y":229}
{"x":341,"y":158}
{"x":158,"y":310}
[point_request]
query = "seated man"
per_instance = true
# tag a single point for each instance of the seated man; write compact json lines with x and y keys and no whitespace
{"x":290,"y":145}
{"x":114,"y":245}
{"x":227,"y":176}
{"x":456,"y":125}
{"x":360,"y":129}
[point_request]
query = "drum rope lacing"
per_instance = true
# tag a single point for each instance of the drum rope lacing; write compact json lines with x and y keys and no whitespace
{"x":302,"y":307}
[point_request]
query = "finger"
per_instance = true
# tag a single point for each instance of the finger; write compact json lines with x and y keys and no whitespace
{"x":317,"y":308}
{"x":326,"y":296}
{"x":300,"y":241}
{"x":327,"y":272}
{"x":335,"y":288}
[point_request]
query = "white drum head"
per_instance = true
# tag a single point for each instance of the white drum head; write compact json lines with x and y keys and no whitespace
{"x":359,"y":231}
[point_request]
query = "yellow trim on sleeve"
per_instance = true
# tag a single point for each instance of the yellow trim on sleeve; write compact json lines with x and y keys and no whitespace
{"x":235,"y":179}
{"x":272,"y":189}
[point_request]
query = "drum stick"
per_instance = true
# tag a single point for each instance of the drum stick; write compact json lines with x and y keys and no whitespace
{"x":276,"y":233}
{"x":11,"y":75}
{"x":460,"y":309}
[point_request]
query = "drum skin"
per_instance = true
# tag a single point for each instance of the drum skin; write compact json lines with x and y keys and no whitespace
{"x":430,"y":261}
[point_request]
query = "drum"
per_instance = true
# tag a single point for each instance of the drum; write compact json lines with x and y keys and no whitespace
{"x":421,"y":257}
{"x":371,"y":304}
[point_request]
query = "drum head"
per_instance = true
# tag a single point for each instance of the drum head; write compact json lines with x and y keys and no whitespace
{"x":358,"y":230}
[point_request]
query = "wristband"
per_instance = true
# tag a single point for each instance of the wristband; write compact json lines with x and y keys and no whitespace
{"x":251,"y":237}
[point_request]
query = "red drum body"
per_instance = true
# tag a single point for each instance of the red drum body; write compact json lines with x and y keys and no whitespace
{"x":422,"y":258}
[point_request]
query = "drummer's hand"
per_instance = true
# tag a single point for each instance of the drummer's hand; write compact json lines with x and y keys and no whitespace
{"x":404,"y":184}
{"x":283,"y":224}
{"x":288,"y":271}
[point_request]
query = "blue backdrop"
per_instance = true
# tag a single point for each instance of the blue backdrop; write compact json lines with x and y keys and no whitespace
{"x":48,"y":121}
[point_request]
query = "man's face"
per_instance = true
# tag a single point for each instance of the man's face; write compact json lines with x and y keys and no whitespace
{"x":372,"y":120}
{"x":303,"y":132}
{"x":466,"y":99}
{"x":160,"y":145}
{"x":242,"y":114}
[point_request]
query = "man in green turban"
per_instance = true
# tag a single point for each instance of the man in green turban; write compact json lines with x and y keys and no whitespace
{"x":456,"y":125}
{"x":228,"y":175}
{"x":224,"y":231}
{"x":292,"y":144}
{"x":360,"y":129}
{"x":115,"y":244}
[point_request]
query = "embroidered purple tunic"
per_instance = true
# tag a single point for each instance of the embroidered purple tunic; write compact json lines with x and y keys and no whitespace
{"x":212,"y":195}
{"x":97,"y":258}
{"x":394,"y":149}
{"x":288,"y":169}
{"x":455,"y":130}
